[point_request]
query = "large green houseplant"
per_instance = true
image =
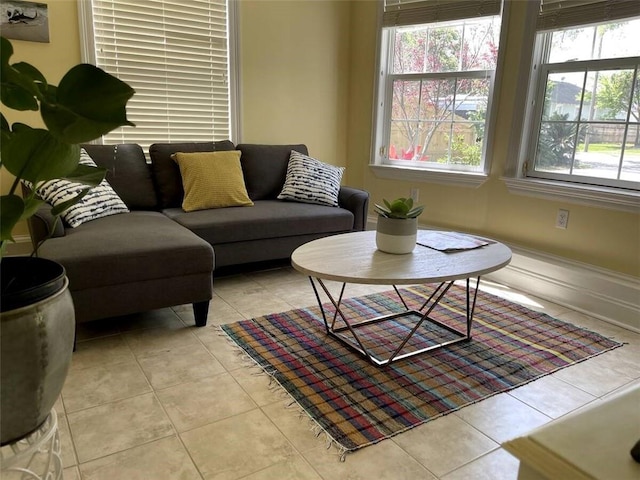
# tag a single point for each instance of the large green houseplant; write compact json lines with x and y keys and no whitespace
{"x":37,"y":319}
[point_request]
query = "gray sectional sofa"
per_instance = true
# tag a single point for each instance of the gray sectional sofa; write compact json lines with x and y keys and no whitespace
{"x":158,"y":255}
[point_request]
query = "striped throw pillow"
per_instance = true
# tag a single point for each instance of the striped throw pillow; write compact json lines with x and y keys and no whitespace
{"x":100,"y":201}
{"x":311,"y":181}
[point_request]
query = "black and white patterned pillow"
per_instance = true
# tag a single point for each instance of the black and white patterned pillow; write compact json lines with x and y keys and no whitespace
{"x":311,"y":181}
{"x":100,"y":201}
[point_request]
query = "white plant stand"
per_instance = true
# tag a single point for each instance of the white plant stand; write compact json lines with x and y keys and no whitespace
{"x":36,"y":456}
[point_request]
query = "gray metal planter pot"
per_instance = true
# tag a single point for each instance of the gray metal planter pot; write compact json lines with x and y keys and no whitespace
{"x":396,"y":235}
{"x":36,"y":344}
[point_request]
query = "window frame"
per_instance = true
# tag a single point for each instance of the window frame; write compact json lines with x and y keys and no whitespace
{"x":516,"y":175}
{"x":88,"y":55}
{"x":383,"y":93}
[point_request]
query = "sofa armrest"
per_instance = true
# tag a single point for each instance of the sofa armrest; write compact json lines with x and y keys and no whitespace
{"x":357,"y":202}
{"x":43,"y":225}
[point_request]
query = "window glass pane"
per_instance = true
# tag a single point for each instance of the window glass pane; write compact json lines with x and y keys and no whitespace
{"x":480,"y":44}
{"x":439,"y":121}
{"x":600,"y":151}
{"x":447,"y":47}
{"x":405,"y":126}
{"x":611,"y":40}
{"x":435,"y":116}
{"x":631,"y":161}
{"x":556,"y":144}
{"x":587,"y":130}
{"x":612,"y":90}
{"x":563,"y":95}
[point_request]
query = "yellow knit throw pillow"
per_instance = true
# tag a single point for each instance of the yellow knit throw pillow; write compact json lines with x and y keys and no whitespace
{"x":212,"y":180}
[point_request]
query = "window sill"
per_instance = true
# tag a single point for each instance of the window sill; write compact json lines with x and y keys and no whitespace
{"x":461,"y":179}
{"x":601,"y":197}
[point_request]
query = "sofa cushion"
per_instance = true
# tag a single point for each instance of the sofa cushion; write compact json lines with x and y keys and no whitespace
{"x":212,"y":180}
{"x":100,"y":201}
{"x":166,"y":173}
{"x":266,"y":219}
{"x":127,"y":172}
{"x":122,"y":249}
{"x":311,"y":181}
{"x":265,"y":168}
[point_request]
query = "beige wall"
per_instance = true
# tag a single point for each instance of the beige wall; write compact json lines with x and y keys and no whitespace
{"x":53,"y":59}
{"x":294,"y":74}
{"x":307,"y":70}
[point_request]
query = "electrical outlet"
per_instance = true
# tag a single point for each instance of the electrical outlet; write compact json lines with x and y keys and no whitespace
{"x":415,"y":194}
{"x":562,"y":220}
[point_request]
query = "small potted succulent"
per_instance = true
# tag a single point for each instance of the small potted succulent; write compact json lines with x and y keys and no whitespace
{"x":397,"y":226}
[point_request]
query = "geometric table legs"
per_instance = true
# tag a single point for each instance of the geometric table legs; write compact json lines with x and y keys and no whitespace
{"x":348,"y":333}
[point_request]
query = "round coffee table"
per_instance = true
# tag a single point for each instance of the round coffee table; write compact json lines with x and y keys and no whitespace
{"x":354,"y":258}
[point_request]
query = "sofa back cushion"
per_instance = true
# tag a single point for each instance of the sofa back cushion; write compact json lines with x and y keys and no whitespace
{"x":127,"y":172}
{"x":265,"y":168}
{"x":166,"y":173}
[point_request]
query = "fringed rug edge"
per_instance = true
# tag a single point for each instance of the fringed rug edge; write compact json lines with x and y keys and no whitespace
{"x":342,"y":451}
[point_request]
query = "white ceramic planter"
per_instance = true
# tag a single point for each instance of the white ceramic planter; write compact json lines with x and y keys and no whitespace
{"x":396,"y":235}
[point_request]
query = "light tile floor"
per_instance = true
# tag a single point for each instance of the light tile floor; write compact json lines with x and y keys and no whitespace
{"x":153,"y":397}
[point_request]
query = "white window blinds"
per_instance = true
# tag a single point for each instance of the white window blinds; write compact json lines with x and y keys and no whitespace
{"x":558,"y":14}
{"x":416,"y":12}
{"x":174,"y":53}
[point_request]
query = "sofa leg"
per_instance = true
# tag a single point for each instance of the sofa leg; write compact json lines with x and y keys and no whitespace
{"x":200,"y":312}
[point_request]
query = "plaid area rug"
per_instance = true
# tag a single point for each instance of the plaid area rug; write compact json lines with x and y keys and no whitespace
{"x":357,"y":404}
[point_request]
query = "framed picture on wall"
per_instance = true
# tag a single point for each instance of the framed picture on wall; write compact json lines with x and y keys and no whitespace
{"x":24,"y":21}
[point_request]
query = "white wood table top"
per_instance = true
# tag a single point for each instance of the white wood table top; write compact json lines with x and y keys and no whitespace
{"x":354,"y":258}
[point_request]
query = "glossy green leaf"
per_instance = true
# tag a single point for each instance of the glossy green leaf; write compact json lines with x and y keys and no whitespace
{"x":89,"y":103}
{"x":18,"y":89}
{"x":11,"y":209}
{"x":16,"y":97}
{"x":36,"y":155}
{"x":5,"y":131}
{"x":30,"y":72}
{"x":6,"y":50}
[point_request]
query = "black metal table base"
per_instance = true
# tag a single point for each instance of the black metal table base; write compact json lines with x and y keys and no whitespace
{"x":348,"y":334}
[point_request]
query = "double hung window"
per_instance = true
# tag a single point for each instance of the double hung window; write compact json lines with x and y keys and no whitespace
{"x":437,"y":67}
{"x":177,"y":55}
{"x":580,"y":137}
{"x":586,"y":124}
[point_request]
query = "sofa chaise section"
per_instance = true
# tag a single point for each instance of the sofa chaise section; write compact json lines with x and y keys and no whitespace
{"x":129,"y":262}
{"x":133,"y":262}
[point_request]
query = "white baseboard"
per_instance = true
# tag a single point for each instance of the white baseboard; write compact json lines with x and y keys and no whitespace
{"x":601,"y":293}
{"x":22,"y":245}
{"x":607,"y":295}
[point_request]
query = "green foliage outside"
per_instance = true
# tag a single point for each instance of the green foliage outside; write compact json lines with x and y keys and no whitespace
{"x":556,"y":144}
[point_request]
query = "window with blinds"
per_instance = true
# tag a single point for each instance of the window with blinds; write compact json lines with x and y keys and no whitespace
{"x":584,"y":94}
{"x":176,"y":55}
{"x":437,"y":68}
